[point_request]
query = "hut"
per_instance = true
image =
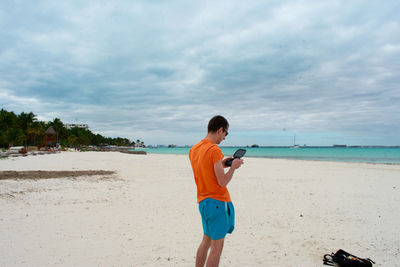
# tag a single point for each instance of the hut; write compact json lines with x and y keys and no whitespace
{"x":50,"y":137}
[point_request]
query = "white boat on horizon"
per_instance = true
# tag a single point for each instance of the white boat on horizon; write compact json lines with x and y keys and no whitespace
{"x":294,"y":143}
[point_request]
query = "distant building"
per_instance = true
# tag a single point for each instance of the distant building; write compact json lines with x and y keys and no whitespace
{"x":78,"y":125}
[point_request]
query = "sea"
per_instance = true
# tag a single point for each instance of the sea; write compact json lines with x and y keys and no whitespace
{"x":378,"y":155}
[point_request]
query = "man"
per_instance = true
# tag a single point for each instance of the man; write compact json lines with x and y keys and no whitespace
{"x":216,"y":209}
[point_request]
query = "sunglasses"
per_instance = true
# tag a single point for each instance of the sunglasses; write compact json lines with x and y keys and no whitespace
{"x":226,"y":132}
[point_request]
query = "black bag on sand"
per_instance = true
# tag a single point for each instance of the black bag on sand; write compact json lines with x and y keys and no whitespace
{"x":344,"y":259}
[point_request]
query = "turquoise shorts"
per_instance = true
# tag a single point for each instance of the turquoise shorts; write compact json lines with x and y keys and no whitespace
{"x":218,"y":218}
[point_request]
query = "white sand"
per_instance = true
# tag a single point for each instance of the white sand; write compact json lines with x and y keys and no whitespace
{"x":288,"y":213}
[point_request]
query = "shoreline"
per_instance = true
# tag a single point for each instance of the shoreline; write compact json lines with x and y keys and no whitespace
{"x":363,"y":155}
{"x":138,"y":152}
{"x":295,"y":159}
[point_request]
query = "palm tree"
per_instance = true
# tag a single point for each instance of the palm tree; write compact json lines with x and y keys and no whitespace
{"x":25,"y":121}
{"x":7,"y":120}
{"x":15,"y":136}
{"x":36,"y":133}
{"x":58,"y":126}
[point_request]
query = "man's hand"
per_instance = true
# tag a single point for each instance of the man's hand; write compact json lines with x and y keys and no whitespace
{"x":224,"y":162}
{"x":237,"y":163}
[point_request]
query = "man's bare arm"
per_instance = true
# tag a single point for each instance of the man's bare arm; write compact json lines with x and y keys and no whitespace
{"x":222,"y":177}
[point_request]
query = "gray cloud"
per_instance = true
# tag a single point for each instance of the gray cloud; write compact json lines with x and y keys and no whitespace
{"x":160,"y":69}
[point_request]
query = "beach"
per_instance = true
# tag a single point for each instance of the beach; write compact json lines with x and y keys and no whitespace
{"x":142,"y":211}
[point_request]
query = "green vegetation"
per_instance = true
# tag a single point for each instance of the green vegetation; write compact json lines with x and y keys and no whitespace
{"x":25,"y":130}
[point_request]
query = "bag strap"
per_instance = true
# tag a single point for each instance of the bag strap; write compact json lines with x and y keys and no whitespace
{"x":371,"y":261}
{"x":327,"y":261}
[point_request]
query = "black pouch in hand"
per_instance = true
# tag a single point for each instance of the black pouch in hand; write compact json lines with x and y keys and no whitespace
{"x":238,"y":154}
{"x":344,"y":259}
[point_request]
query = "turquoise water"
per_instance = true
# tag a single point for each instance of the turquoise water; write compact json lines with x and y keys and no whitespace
{"x":345,"y":154}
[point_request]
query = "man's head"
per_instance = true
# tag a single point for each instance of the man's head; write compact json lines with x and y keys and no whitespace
{"x":218,"y":126}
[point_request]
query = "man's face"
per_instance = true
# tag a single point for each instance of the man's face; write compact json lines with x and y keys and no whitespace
{"x":222,"y":133}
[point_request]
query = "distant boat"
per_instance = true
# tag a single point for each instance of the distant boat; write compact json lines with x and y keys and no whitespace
{"x":294,"y":142}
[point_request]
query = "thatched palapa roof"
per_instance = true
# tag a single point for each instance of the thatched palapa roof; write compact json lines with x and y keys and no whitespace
{"x":50,"y":130}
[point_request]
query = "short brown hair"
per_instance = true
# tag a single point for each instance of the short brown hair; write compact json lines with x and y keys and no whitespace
{"x":217,"y":122}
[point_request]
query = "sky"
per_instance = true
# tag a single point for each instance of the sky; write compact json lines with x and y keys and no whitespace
{"x":327,"y":72}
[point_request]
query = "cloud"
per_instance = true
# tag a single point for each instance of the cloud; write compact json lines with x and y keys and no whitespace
{"x":160,"y":69}
{"x":8,"y":98}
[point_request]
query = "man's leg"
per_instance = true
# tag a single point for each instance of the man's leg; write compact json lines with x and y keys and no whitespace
{"x":215,"y":252}
{"x":202,"y":251}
